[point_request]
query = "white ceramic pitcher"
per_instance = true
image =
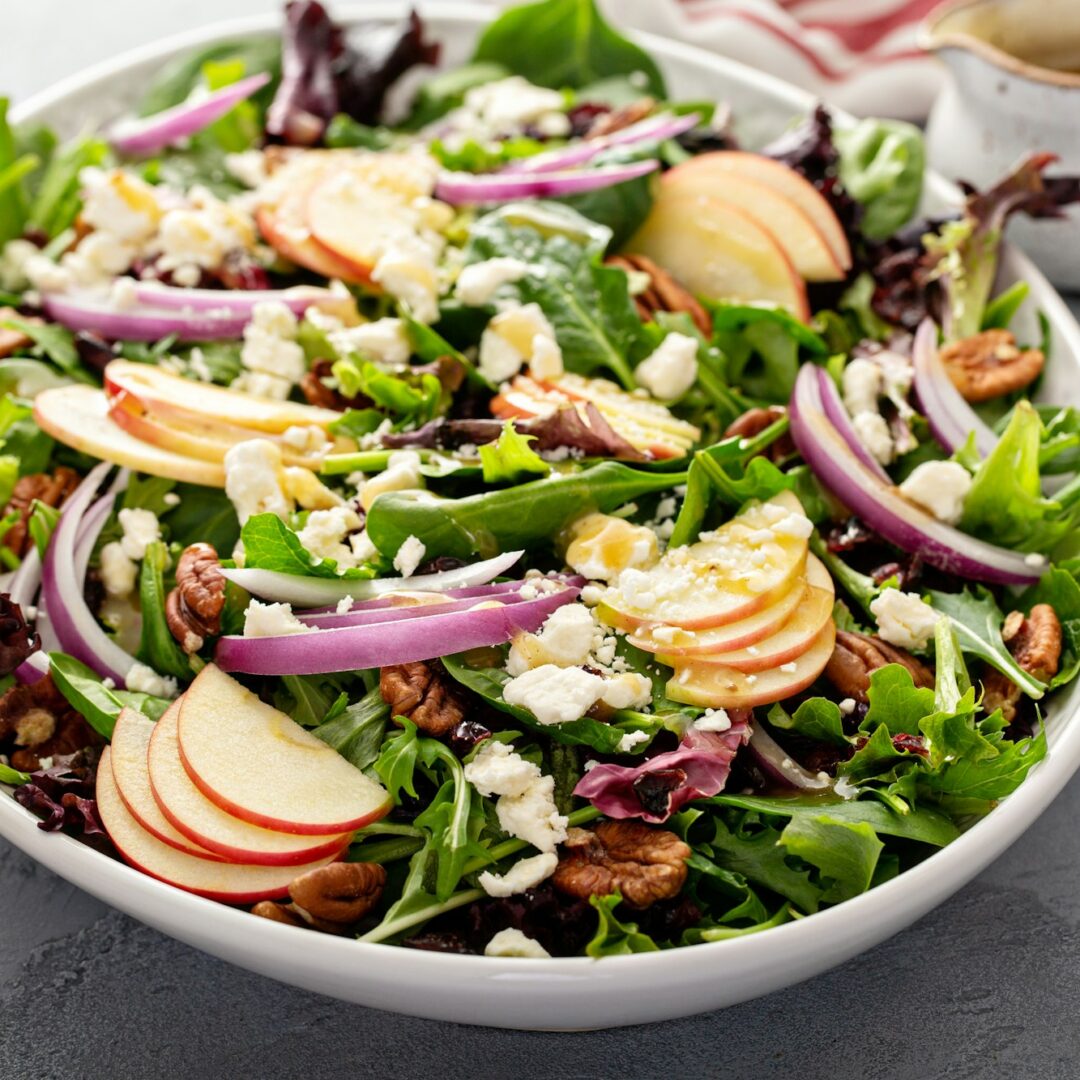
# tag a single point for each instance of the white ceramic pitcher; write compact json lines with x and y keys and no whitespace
{"x":1014,"y":87}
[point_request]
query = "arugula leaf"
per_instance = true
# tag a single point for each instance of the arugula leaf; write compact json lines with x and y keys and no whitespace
{"x":510,"y":459}
{"x":559,"y":43}
{"x":614,"y":937}
{"x":881,"y":166}
{"x":977,"y":620}
{"x":312,"y":699}
{"x":416,"y":397}
{"x":57,"y":202}
{"x":845,"y":852}
{"x":41,"y":524}
{"x":589,"y":304}
{"x":57,"y":344}
{"x":157,"y":646}
{"x":896,"y":703}
{"x":357,"y":733}
{"x":269,"y":544}
{"x":816,"y":718}
{"x":695,"y":936}
{"x":12,"y":204}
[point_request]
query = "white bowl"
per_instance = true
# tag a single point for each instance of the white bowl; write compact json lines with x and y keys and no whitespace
{"x":576,"y":992}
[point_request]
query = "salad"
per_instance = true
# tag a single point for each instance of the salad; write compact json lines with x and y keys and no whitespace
{"x":513,"y":516}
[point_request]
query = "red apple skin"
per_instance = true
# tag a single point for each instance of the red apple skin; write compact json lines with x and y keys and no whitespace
{"x":306,"y":252}
{"x":795,"y":638}
{"x":719,"y":687}
{"x":144,"y":852}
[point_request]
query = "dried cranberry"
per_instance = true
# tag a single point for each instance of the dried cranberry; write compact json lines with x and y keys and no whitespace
{"x":446,"y":942}
{"x":466,"y":735}
{"x":654,"y":789}
{"x":583,"y":116}
{"x":913,"y":744}
{"x":95,"y":352}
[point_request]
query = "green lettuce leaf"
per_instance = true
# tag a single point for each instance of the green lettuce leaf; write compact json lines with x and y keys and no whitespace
{"x":896,"y":703}
{"x":613,"y":936}
{"x":269,"y":544}
{"x":845,"y":852}
{"x":510,"y":459}
{"x":816,"y":718}
{"x":357,"y":732}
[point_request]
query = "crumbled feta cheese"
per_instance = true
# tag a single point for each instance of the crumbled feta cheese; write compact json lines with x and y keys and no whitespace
{"x":253,"y":479}
{"x":119,"y":203}
{"x":305,"y":439}
{"x":386,"y":341}
{"x":478,"y":283}
{"x":512,"y":942}
{"x":565,"y":639}
{"x":118,"y":572}
{"x":672,"y":368}
{"x":272,"y":620}
{"x":145,"y":680}
{"x":523,"y":875}
{"x":630,"y":740}
{"x":939,"y":487}
{"x":713,"y":720}
{"x":847,"y":706}
{"x":510,"y":341}
{"x":15,"y":256}
{"x":201,"y":234}
{"x":497,"y":769}
{"x":409,"y":556}
{"x":401,"y":474}
{"x":408,"y":270}
{"x":555,"y":695}
{"x":141,"y":527}
{"x":862,"y":384}
{"x":604,"y":546}
{"x":506,"y":106}
{"x":873,"y":431}
{"x":903,"y":619}
{"x":260,"y":384}
{"x":270,"y":346}
{"x":363,"y":549}
{"x":533,"y":816}
{"x":249,"y":167}
{"x":629,"y":691}
{"x":344,"y":605}
{"x":325,"y":534}
{"x":98,"y":259}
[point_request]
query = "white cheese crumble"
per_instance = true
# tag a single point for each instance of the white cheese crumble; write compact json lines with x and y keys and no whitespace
{"x":510,"y":341}
{"x":141,"y":527}
{"x":555,"y":695}
{"x":253,"y":479}
{"x":386,"y":341}
{"x":713,"y":720}
{"x":402,"y":473}
{"x":525,"y":874}
{"x":672,"y":369}
{"x":145,"y":680}
{"x":497,"y":769}
{"x":325,"y":534}
{"x":409,"y":556}
{"x":630,"y":740}
{"x":863,"y":383}
{"x":903,"y":619}
{"x":408,"y":270}
{"x":565,"y":639}
{"x":272,"y":620}
{"x":199,"y":236}
{"x":118,"y":571}
{"x":270,"y":350}
{"x":478,"y":282}
{"x":512,"y":942}
{"x":630,"y":690}
{"x":847,"y":706}
{"x":939,"y":487}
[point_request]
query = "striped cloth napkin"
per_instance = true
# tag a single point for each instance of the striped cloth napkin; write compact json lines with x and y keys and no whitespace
{"x":858,"y":54}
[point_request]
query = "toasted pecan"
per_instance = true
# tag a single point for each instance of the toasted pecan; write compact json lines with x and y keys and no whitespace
{"x":664,"y":292}
{"x":989,"y":365}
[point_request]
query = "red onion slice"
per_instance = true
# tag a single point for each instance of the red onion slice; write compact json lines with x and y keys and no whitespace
{"x":96,"y":315}
{"x":76,"y":629}
{"x":352,"y":648}
{"x":467,"y":189}
{"x":33,"y":669}
{"x":148,"y":134}
{"x":311,"y":592}
{"x":778,"y":765}
{"x":951,"y":418}
{"x":836,"y":411}
{"x":236,"y":302}
{"x":885,"y":510}
{"x":653,"y":129}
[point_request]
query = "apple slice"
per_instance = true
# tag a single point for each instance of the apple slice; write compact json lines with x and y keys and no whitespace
{"x":167,"y":396}
{"x":714,"y":686}
{"x":130,"y":742}
{"x":259,"y":765}
{"x":683,"y":645}
{"x":207,"y":440}
{"x":786,"y":181}
{"x":793,"y":639}
{"x":231,"y":883}
{"x":804,"y":243}
{"x":719,"y":251}
{"x":283,"y":221}
{"x":204,"y":822}
{"x":78,"y":416}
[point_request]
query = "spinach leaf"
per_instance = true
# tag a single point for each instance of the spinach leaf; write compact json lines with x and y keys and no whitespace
{"x":624,"y":207}
{"x":559,"y":43}
{"x":269,"y":544}
{"x":85,"y":693}
{"x":509,"y":459}
{"x":614,"y":937}
{"x":203,"y":514}
{"x":588,"y":303}
{"x":1000,"y":311}
{"x":881,"y":166}
{"x":12,"y":202}
{"x":157,"y":646}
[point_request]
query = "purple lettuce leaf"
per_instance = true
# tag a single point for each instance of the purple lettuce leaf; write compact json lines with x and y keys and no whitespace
{"x":17,"y":640}
{"x":63,"y":794}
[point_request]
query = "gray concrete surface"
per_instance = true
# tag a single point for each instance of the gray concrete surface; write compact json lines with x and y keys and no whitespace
{"x":984,"y":988}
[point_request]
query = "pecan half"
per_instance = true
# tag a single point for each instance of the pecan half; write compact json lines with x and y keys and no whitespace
{"x":49,"y":488}
{"x":642,"y":863}
{"x":664,"y":293}
{"x":37,"y":721}
{"x":193,"y":609}
{"x":857,"y":656}
{"x":618,"y":119}
{"x":423,"y":693}
{"x":754,"y":421}
{"x":1035,"y":642}
{"x":989,"y":364}
{"x":329,"y":899}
